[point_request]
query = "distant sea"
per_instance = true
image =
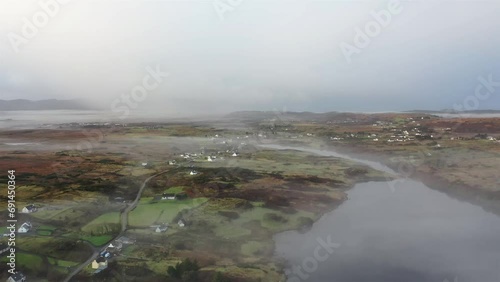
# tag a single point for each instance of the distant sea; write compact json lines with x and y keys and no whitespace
{"x":52,"y":118}
{"x":469,"y":115}
{"x":44,"y":119}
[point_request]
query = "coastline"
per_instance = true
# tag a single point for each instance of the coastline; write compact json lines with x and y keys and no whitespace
{"x":488,"y":200}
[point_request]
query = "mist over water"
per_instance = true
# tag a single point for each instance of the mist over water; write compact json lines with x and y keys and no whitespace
{"x":412,"y":234}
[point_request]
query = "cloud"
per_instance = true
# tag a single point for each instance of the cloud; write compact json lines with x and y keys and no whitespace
{"x":264,"y":55}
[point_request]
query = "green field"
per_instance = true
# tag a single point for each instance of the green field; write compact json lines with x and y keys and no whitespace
{"x":103,"y":225}
{"x":146,"y":214}
{"x":63,"y":263}
{"x":45,"y":230}
{"x":97,"y":240}
{"x":236,"y":228}
{"x":175,"y":190}
{"x":27,"y":261}
{"x":110,"y":217}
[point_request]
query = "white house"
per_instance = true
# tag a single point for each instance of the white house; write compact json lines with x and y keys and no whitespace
{"x":166,"y":196}
{"x":193,"y":172}
{"x":29,"y":209}
{"x":234,"y":155}
{"x":25,"y":228}
{"x":181,"y":223}
{"x":144,"y":164}
{"x":161,"y":228}
{"x":209,"y":159}
{"x":100,"y":263}
{"x":172,"y":162}
{"x":17,"y":277}
{"x":115,"y":246}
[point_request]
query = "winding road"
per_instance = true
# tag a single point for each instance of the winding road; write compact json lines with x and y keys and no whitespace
{"x":124,"y":223}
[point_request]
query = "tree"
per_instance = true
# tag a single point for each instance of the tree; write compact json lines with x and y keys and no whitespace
{"x":186,"y":269}
{"x":219,"y":277}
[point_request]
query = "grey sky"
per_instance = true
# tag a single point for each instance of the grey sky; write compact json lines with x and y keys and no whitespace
{"x":263,"y":55}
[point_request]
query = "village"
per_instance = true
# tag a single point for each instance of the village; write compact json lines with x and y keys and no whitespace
{"x":203,"y":187}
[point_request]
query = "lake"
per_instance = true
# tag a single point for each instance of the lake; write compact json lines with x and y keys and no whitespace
{"x":404,"y":232}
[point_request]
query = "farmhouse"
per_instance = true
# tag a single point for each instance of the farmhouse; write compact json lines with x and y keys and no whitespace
{"x":29,"y":209}
{"x":25,"y":228}
{"x":161,"y":228}
{"x":116,"y":246}
{"x":181,"y":223}
{"x":100,"y":263}
{"x":167,"y":196}
{"x":17,"y":277}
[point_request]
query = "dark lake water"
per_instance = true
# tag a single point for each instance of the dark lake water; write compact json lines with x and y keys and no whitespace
{"x":410,"y":233}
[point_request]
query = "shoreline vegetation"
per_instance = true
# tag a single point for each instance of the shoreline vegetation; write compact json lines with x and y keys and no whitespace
{"x":487,"y":199}
{"x":231,"y":195}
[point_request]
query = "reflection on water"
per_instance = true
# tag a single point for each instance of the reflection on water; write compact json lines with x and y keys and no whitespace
{"x":412,"y":234}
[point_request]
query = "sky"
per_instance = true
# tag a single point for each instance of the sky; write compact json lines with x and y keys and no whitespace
{"x":229,"y":55}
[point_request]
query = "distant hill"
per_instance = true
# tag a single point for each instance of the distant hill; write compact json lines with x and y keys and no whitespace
{"x":51,"y":104}
{"x":450,"y":111}
{"x":255,"y":116}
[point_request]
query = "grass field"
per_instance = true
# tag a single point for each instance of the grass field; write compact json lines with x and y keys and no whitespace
{"x":175,"y":190}
{"x":110,"y":217}
{"x":63,"y":263}
{"x":27,"y":261}
{"x":45,"y":230}
{"x":97,"y":240}
{"x":146,"y":214}
{"x":236,"y":228}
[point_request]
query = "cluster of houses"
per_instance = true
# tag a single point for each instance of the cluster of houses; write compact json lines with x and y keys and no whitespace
{"x":114,"y":248}
{"x":162,"y":228}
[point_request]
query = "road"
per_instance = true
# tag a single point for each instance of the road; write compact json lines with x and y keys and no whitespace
{"x":124,"y":222}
